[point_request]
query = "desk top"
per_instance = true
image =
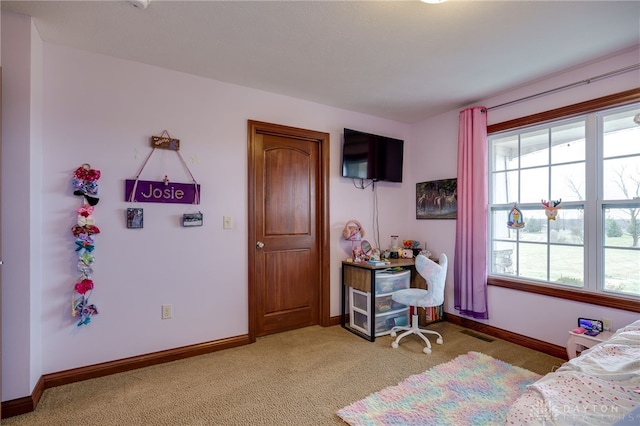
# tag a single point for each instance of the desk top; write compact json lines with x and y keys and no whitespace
{"x":392,"y":263}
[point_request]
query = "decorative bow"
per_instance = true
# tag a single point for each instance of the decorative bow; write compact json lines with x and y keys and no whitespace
{"x":85,"y":220}
{"x":84,"y":269}
{"x":82,"y":309}
{"x":86,"y":239}
{"x":83,"y":247}
{"x":86,"y":258}
{"x":85,"y":172}
{"x":85,"y":210}
{"x":88,"y":229}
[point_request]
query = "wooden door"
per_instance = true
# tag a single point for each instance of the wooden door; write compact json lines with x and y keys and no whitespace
{"x":288,"y":234}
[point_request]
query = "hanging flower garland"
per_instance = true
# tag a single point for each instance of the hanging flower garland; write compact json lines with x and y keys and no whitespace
{"x":85,"y":184}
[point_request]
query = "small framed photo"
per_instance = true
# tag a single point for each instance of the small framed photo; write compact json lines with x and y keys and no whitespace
{"x":192,"y":219}
{"x":134,"y":218}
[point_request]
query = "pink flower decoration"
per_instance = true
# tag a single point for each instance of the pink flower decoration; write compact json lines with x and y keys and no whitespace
{"x":85,"y":210}
{"x":84,"y":286}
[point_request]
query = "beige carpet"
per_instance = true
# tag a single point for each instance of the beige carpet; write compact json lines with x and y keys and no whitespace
{"x":300,"y":377}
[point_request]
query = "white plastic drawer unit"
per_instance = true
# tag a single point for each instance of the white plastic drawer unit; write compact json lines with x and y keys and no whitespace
{"x":384,"y":323}
{"x":360,"y":300}
{"x":359,"y":312}
{"x":368,"y":309}
{"x":388,"y":282}
{"x":385,"y":304}
{"x":360,"y":321}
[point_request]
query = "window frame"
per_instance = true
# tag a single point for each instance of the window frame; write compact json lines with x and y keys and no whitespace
{"x":516,"y":283}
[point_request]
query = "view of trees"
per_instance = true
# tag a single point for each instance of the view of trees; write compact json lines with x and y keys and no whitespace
{"x":593,"y":176}
{"x":629,"y":184}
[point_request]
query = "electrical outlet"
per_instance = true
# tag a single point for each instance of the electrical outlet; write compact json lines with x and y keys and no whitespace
{"x":227,"y":222}
{"x":607,"y":324}
{"x":166,"y":311}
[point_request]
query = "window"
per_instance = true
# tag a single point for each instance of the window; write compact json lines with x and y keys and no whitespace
{"x":590,"y":165}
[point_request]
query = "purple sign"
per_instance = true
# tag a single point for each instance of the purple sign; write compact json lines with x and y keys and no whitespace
{"x":147,"y":191}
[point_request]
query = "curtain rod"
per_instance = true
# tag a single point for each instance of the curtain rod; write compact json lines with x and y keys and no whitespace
{"x":569,"y":86}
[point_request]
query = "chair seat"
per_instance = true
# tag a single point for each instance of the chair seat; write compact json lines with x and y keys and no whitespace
{"x":414,"y":297}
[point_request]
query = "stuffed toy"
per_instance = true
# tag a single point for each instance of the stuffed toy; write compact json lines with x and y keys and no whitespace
{"x":353,"y":231}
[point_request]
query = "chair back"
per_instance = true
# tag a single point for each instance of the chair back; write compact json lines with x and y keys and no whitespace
{"x":435,"y":273}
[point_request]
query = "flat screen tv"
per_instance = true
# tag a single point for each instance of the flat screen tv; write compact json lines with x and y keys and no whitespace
{"x":368,"y":156}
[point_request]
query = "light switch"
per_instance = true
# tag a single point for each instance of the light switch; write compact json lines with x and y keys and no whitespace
{"x":227,"y":222}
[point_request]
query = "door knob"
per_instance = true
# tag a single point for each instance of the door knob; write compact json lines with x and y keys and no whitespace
{"x":259,"y":244}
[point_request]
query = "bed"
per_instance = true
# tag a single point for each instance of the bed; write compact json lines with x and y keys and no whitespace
{"x":599,"y":387}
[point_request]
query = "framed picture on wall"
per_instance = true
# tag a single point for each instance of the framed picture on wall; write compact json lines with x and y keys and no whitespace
{"x":192,"y":219}
{"x":437,"y":199}
{"x":135,"y":218}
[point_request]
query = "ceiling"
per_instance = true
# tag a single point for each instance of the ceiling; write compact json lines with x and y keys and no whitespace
{"x":401,"y":60}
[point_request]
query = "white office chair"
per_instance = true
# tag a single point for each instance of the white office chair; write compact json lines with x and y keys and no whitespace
{"x":435,"y":274}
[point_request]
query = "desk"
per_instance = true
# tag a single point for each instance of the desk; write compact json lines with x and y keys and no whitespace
{"x":579,"y":342}
{"x":367,"y":309}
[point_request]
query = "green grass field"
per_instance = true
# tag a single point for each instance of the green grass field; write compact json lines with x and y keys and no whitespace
{"x":566,"y":263}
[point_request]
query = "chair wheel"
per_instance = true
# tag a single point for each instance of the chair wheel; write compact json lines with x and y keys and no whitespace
{"x":394,"y":345}
{"x":439,"y":341}
{"x":393,"y":334}
{"x":427,"y":350}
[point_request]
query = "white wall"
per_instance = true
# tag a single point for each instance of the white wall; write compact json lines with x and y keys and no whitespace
{"x":102,"y":111}
{"x":35,"y":223}
{"x":435,"y":140}
{"x":21,"y":211}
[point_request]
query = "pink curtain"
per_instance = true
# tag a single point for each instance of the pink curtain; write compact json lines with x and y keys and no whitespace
{"x":470,"y":264}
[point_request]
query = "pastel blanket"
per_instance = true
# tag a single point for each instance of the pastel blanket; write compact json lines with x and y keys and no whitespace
{"x":600,"y":387}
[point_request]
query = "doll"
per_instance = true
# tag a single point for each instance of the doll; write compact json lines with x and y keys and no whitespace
{"x":353,"y":231}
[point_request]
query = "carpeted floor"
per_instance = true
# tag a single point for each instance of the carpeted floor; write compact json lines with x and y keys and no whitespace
{"x":301,"y":377}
